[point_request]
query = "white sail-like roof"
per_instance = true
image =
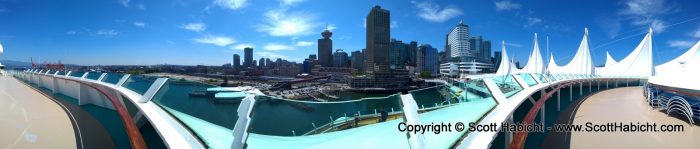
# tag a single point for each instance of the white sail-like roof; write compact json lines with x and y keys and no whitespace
{"x":506,"y":66}
{"x":609,"y":61}
{"x":681,"y":72}
{"x":535,"y":64}
{"x":638,"y":63}
{"x":580,"y":64}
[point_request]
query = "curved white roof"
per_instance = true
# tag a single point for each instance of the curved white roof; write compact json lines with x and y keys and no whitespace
{"x":535,"y":64}
{"x":637,"y":63}
{"x":680,"y":72}
{"x":580,"y":64}
{"x":506,"y":66}
{"x":609,"y":61}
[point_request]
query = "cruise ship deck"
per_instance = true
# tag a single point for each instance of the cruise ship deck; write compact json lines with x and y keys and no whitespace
{"x":30,"y":119}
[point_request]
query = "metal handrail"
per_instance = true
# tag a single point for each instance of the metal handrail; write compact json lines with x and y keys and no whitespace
{"x":135,"y":137}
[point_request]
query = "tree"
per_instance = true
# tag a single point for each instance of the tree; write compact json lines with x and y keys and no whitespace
{"x":425,"y":74}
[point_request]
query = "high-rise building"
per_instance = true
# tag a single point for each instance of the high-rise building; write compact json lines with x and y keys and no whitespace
{"x":248,"y":57}
{"x":497,"y":58}
{"x":398,"y":53}
{"x":412,"y":50}
{"x":340,"y":58}
{"x":325,"y":48}
{"x":357,"y":60}
{"x":378,"y":35}
{"x":254,"y":64}
{"x":261,"y":62}
{"x":312,"y":56}
{"x":486,"y":50}
{"x":427,"y":58}
{"x":458,"y":41}
{"x":236,"y":61}
{"x":475,"y":48}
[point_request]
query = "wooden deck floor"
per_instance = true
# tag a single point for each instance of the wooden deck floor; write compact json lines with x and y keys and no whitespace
{"x":29,"y":119}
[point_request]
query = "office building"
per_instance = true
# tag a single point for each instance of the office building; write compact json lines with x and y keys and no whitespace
{"x":398,"y":54}
{"x":427,"y":58}
{"x":248,"y":57}
{"x":325,"y":48}
{"x":378,"y":35}
{"x":458,"y":41}
{"x":357,"y":59}
{"x":261,"y":62}
{"x":340,"y":58}
{"x":236,"y":61}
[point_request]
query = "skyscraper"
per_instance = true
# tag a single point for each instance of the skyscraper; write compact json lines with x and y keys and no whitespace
{"x":325,"y":48}
{"x":427,"y":58}
{"x":486,"y":50}
{"x":236,"y":61}
{"x":248,"y":57}
{"x":378,"y":38}
{"x":340,"y":58}
{"x":458,"y":41}
{"x":357,"y":60}
{"x":261,"y":62}
{"x":475,"y":48}
{"x":412,"y":49}
{"x":398,"y":53}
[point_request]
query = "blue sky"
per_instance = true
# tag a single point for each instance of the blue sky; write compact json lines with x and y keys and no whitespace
{"x":209,"y":32}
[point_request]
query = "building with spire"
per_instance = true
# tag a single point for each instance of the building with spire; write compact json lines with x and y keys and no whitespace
{"x":325,"y":49}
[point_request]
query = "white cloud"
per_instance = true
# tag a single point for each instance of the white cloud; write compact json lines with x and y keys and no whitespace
{"x":71,"y":32}
{"x":644,"y":7}
{"x":291,"y":2}
{"x":331,"y":27}
{"x":532,"y":21}
{"x":507,"y":5}
{"x":696,"y":33}
{"x":139,"y":24}
{"x":124,"y":3}
{"x":279,"y":22}
{"x":242,"y":46}
{"x":197,"y":27}
{"x":141,"y":6}
{"x":364,"y":22}
{"x":431,"y":12}
{"x":514,"y":45}
{"x":658,"y":25}
{"x":394,"y":24}
{"x":680,"y":43}
{"x":304,"y":43}
{"x":231,"y":4}
{"x":646,"y":13}
{"x":277,"y":47}
{"x":107,"y":33}
{"x":215,"y":40}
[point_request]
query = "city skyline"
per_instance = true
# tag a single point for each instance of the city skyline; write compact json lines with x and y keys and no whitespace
{"x":209,"y":32}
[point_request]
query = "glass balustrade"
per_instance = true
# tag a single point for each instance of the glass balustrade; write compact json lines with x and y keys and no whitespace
{"x":312,"y":123}
{"x":93,"y":75}
{"x":528,"y":79}
{"x":139,"y":83}
{"x":197,"y":108}
{"x":112,"y":78}
{"x":541,"y":77}
{"x":507,"y":85}
{"x":76,"y":74}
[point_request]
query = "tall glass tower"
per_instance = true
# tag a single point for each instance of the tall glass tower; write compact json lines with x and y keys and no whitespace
{"x":378,"y":39}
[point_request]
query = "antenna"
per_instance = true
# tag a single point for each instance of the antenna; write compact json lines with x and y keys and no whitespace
{"x":548,"y":54}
